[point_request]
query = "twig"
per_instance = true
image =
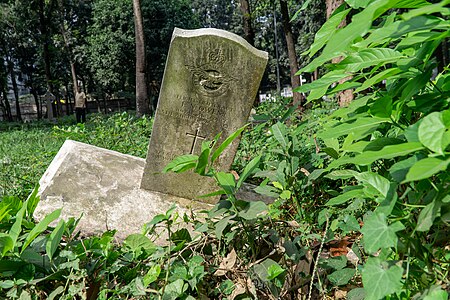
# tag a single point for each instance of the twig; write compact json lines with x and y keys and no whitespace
{"x":317,"y":261}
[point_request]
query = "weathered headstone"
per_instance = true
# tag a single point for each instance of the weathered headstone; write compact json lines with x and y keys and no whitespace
{"x":49,"y":99}
{"x":210,"y":83}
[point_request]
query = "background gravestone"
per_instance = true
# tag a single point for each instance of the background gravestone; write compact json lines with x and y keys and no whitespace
{"x":209,"y":86}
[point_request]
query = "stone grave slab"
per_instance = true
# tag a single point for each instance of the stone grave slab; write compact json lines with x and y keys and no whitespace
{"x":103,"y":185}
{"x":210,"y":82}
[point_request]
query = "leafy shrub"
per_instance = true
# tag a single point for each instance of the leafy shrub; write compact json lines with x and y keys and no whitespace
{"x":390,"y":146}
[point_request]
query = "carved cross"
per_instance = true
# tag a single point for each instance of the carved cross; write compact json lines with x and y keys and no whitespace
{"x":196,"y":137}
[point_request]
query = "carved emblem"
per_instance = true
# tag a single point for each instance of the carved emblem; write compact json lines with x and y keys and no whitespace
{"x":209,"y":77}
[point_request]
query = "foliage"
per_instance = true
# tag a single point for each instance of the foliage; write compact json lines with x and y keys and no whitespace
{"x":110,"y":44}
{"x":390,"y":146}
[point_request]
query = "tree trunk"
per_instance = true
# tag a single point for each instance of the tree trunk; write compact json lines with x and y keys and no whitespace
{"x":69,"y":54}
{"x":344,"y":97}
{"x":3,"y":90}
{"x":249,"y":33}
{"x":15,"y":89}
{"x":36,"y":101}
{"x":45,"y":46}
{"x":332,"y":5}
{"x":143,"y":106}
{"x":293,"y":64}
{"x":7,"y":105}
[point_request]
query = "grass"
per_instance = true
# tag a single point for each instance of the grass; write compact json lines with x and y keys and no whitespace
{"x":26,"y":150}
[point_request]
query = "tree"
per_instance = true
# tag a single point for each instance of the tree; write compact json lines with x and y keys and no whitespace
{"x":249,"y":33}
{"x":110,"y":45}
{"x":142,"y":100}
{"x":293,"y":64}
{"x":44,"y":12}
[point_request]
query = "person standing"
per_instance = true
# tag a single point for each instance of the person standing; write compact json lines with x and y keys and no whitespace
{"x":80,"y":106}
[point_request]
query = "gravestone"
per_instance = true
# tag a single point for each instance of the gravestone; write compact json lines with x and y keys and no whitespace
{"x":210,"y":83}
{"x":49,"y":99}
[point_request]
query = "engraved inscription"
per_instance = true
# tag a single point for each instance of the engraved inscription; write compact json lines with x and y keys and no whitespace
{"x":208,"y":76}
{"x":196,"y":137}
{"x":160,"y":155}
{"x":192,"y":109}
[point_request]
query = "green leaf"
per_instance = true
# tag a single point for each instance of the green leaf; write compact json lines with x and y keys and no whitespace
{"x":426,"y":168}
{"x":227,"y":182}
{"x":286,"y":194}
{"x":304,"y":6}
{"x":358,"y":3}
{"x":387,"y":204}
{"x":381,"y":142}
{"x":181,"y":163}
{"x":54,"y":238}
{"x":221,"y":225}
{"x":388,"y":152}
{"x":428,"y":215}
{"x":17,"y":226}
{"x":418,"y":38}
{"x":202,"y":162}
{"x":139,"y":244}
{"x":174,"y":289}
{"x":369,"y":57}
{"x":435,"y":293}
{"x":360,"y":127}
{"x":262,"y":269}
{"x":157,"y":219}
{"x":342,"y":39}
{"x":181,"y":235}
{"x":380,"y":279}
{"x":26,"y":272}
{"x":32,"y":201}
{"x":375,"y":181}
{"x":378,"y":234}
{"x":4,"y":210}
{"x":248,"y":170}
{"x":335,"y":263}
{"x":382,"y":108}
{"x":331,"y":152}
{"x":427,"y":10}
{"x":341,"y":277}
{"x":40,"y":227}
{"x":267,"y":190}
{"x":56,"y":292}
{"x":25,"y":295}
{"x":6,"y":244}
{"x":279,"y":132}
{"x":253,"y":210}
{"x":341,"y":174}
{"x":321,"y":84}
{"x":225,"y":143}
{"x":213,"y":194}
{"x":356,"y":294}
{"x":431,"y":132}
{"x":274,"y":271}
{"x":345,"y":197}
{"x":325,"y":32}
{"x":11,"y":265}
{"x":378,"y":78}
{"x":400,"y":28}
{"x":152,"y":275}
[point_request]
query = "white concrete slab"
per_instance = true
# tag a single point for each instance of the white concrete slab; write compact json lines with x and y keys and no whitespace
{"x":103,"y":186}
